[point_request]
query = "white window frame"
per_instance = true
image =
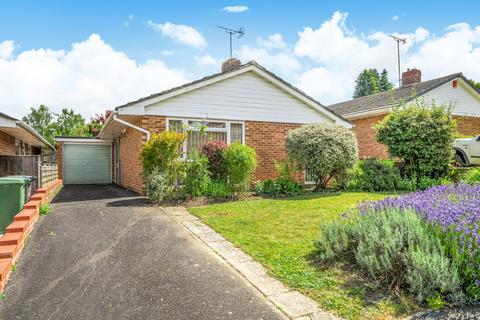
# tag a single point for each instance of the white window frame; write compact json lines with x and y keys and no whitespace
{"x":226,"y":129}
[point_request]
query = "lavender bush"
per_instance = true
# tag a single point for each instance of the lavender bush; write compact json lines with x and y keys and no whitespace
{"x":455,"y":210}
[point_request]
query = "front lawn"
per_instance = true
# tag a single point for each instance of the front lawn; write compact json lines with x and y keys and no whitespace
{"x":280,"y":233}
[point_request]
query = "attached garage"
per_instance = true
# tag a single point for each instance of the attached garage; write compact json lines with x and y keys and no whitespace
{"x":86,"y":162}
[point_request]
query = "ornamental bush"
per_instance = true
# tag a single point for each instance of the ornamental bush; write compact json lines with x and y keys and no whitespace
{"x":324,"y":150}
{"x":161,"y":165}
{"x":163,"y":151}
{"x":213,"y":150}
{"x":422,"y":136}
{"x":240,"y":163}
{"x":396,"y":249}
{"x":196,"y":175}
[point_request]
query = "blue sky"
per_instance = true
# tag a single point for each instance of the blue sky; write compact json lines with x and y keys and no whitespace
{"x":317,"y":45}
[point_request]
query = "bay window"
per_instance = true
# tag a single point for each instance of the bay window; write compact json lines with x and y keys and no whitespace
{"x":200,"y":132}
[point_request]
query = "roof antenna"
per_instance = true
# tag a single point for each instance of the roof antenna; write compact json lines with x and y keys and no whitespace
{"x":403,"y":41}
{"x":240,"y":32}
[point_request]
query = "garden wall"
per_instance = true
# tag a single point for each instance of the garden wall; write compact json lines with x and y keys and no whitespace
{"x":13,"y":241}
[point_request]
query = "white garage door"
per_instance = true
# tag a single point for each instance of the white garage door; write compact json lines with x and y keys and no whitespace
{"x":87,"y":163}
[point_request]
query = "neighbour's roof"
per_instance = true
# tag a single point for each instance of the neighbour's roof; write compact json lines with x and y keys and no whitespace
{"x":215,"y":75}
{"x":20,"y":127}
{"x":393,"y":97}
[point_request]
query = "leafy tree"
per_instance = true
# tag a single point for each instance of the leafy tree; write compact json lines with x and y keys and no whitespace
{"x":69,"y":123}
{"x":422,"y":135}
{"x":324,"y":150}
{"x":369,"y":82}
{"x":40,"y":120}
{"x":475,"y":84}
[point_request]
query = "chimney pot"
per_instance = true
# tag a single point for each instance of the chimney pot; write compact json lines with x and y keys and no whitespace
{"x":411,"y":76}
{"x":231,"y":64}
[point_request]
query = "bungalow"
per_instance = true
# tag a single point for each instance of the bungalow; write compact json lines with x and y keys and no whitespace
{"x":365,"y":112}
{"x":243,"y":103}
{"x":17,"y":138}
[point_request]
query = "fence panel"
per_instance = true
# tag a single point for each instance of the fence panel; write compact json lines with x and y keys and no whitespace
{"x":49,"y":173}
{"x":21,"y":165}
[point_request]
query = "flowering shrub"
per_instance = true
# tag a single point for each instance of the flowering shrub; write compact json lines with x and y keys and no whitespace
{"x":456,"y":210}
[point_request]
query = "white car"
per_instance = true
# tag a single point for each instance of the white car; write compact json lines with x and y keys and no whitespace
{"x":467,"y":151}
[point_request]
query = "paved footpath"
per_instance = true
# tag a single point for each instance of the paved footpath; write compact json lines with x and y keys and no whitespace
{"x":103,"y":253}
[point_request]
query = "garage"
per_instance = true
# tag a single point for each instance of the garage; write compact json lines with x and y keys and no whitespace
{"x":86,"y":162}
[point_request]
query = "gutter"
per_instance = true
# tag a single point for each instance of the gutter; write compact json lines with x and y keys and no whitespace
{"x":113,"y":117}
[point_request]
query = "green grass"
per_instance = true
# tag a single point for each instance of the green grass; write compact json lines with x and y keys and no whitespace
{"x":280,"y":233}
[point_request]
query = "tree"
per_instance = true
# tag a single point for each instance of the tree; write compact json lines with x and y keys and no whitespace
{"x":324,"y":150}
{"x":475,"y":84}
{"x":40,"y":120}
{"x":369,"y":82}
{"x":385,"y":84}
{"x":69,"y":123}
{"x":422,"y":136}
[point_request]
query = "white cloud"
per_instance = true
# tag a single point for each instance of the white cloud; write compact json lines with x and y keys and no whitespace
{"x":205,"y":60}
{"x":283,"y":62}
{"x":235,"y":9}
{"x":6,"y":49}
{"x":180,"y":33}
{"x":90,"y":77}
{"x":274,"y":41}
{"x":395,"y":18}
{"x":129,"y":20}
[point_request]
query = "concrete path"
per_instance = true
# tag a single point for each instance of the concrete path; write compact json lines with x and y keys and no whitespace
{"x":103,"y":253}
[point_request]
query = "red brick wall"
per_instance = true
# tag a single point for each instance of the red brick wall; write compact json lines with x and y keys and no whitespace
{"x":268,"y":139}
{"x":59,"y":160}
{"x":7,"y":144}
{"x":469,"y":126}
{"x":130,"y":149}
{"x":368,"y":146}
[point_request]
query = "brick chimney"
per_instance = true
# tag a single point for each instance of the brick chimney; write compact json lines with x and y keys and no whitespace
{"x":411,"y":76}
{"x":231,"y":64}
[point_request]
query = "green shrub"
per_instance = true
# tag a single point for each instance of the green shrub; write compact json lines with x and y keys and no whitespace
{"x":162,"y":167}
{"x":240,"y":163}
{"x":397,"y":250}
{"x":284,"y":185}
{"x":278,"y":187}
{"x":45,"y":209}
{"x":426,"y":182}
{"x":378,"y":175}
{"x":324,"y":150}
{"x":196,"y":175}
{"x":163,"y":152}
{"x":422,"y":136}
{"x":160,"y":187}
{"x":217,"y":189}
{"x":472,"y":176}
{"x":213,"y":150}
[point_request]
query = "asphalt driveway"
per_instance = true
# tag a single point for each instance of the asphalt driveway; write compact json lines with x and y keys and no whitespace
{"x":104,"y":253}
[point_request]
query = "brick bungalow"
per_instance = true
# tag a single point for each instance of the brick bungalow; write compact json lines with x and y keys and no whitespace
{"x":243,"y":103}
{"x":365,"y":112}
{"x":17,"y":138}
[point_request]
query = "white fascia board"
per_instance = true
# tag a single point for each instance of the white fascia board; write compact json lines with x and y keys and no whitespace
{"x":7,"y":123}
{"x":82,"y":141}
{"x":369,"y":113}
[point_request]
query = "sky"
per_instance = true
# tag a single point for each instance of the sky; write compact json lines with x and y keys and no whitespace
{"x":95,"y":55}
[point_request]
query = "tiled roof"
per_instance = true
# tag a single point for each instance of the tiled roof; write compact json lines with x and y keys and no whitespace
{"x":389,"y":98}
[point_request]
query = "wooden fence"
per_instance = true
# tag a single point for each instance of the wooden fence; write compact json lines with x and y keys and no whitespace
{"x":28,"y":166}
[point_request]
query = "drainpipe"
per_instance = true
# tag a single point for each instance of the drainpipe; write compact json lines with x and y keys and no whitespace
{"x":128,"y":124}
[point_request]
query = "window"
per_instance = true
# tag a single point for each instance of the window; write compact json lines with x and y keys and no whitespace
{"x":200,"y":132}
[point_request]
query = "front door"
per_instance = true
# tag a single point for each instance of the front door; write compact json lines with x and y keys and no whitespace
{"x":117,"y":160}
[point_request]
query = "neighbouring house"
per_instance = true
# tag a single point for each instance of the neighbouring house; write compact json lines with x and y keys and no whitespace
{"x":243,"y":103}
{"x":17,"y":138}
{"x":454,"y":90}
